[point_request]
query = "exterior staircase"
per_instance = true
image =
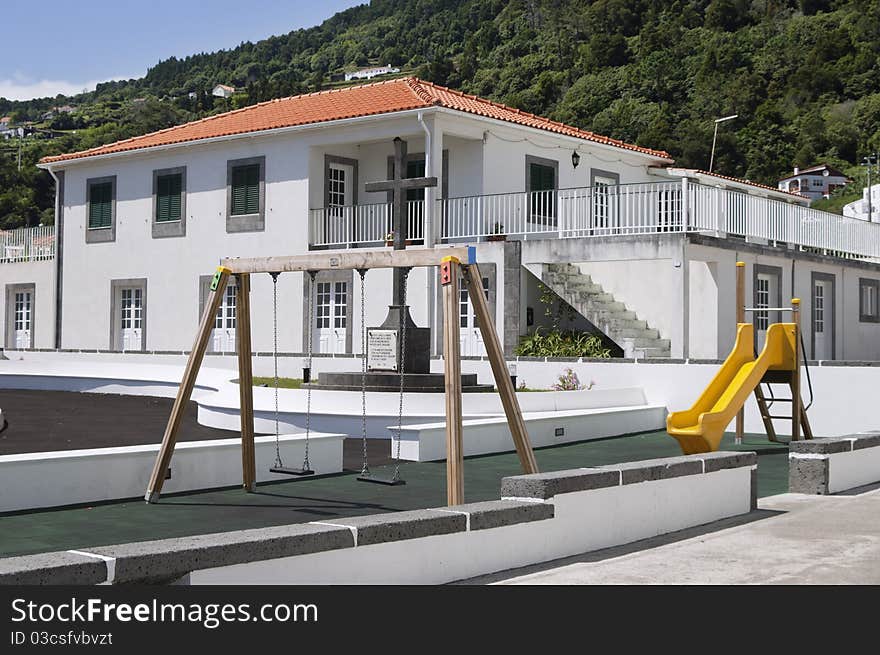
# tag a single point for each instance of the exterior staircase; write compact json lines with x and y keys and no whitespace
{"x":610,"y":316}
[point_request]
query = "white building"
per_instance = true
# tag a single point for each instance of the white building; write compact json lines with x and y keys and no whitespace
{"x":370,"y":73}
{"x":143,"y":223}
{"x":859,"y":209}
{"x":223,"y":91}
{"x":814,"y":182}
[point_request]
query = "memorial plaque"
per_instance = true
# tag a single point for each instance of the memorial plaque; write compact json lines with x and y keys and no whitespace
{"x":382,"y":350}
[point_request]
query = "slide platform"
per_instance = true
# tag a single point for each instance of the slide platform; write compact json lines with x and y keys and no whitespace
{"x":700,"y":428}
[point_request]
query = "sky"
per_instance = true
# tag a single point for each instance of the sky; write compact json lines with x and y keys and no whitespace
{"x":61,"y":46}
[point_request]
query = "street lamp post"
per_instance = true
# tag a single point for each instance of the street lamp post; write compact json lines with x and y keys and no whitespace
{"x":869,"y":160}
{"x":715,"y":137}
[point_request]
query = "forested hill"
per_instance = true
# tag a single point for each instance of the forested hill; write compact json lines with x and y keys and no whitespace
{"x":803,"y":75}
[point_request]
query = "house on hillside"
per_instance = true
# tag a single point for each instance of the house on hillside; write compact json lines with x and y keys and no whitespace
{"x":370,"y":73}
{"x":643,"y":250}
{"x":814,"y":182}
{"x":223,"y":91}
{"x":867,"y":208}
{"x":6,"y":129}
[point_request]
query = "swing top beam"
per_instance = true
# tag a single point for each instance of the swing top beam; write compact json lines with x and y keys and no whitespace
{"x":350,"y":260}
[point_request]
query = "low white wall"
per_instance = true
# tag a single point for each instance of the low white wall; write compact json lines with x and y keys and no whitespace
{"x":70,"y":477}
{"x":853,"y":469}
{"x":427,"y":442}
{"x":584,"y":521}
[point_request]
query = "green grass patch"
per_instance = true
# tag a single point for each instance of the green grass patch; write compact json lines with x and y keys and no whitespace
{"x":283,"y":383}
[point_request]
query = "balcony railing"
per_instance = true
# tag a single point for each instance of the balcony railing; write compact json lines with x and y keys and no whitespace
{"x":27,"y":244}
{"x":605,"y":211}
{"x":362,"y":225}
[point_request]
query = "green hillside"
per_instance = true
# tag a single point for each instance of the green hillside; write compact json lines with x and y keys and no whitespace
{"x":803,"y":75}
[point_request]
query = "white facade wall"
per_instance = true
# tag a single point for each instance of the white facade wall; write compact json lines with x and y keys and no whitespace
{"x":42,"y":275}
{"x":294,"y":183}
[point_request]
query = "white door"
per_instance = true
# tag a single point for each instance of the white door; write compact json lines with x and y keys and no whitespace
{"x":603,"y":203}
{"x":224,"y":323}
{"x":131,"y":310}
{"x":23,"y":319}
{"x":822,"y":320}
{"x":340,"y":194}
{"x":471,"y":339}
{"x":766,"y":292}
{"x":331,"y":317}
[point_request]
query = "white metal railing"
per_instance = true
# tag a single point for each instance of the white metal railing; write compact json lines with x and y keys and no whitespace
{"x":355,"y":225}
{"x":27,"y":244}
{"x":602,"y":211}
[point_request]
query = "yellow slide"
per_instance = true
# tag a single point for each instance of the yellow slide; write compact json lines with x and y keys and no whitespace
{"x":700,"y":428}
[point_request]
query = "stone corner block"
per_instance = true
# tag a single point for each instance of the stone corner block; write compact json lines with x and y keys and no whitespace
{"x":168,"y":559}
{"x":547,"y":485}
{"x":808,"y":476}
{"x":397,"y":526}
{"x":60,"y":568}
{"x":498,"y":513}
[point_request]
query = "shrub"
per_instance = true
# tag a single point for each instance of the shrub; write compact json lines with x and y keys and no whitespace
{"x":558,"y":343}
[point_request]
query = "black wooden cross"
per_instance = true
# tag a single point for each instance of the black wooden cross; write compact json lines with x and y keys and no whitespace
{"x":399,"y":186}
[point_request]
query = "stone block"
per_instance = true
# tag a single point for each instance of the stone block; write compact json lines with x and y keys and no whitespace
{"x":498,"y":513}
{"x":824,"y":446}
{"x":397,"y":526}
{"x":656,"y":469}
{"x":168,"y":559}
{"x":721,"y":460}
{"x":867,"y":440}
{"x":61,"y":568}
{"x":547,"y":485}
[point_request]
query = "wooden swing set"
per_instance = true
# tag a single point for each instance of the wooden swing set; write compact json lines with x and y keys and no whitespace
{"x":453,"y":263}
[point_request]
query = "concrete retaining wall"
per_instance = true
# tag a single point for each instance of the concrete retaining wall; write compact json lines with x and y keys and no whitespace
{"x":35,"y":480}
{"x":827,"y":466}
{"x":541,"y":517}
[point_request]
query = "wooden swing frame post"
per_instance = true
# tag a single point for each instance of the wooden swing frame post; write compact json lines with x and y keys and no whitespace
{"x":359,"y":259}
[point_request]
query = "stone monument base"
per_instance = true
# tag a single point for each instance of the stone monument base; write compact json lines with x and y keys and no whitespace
{"x":390,"y":382}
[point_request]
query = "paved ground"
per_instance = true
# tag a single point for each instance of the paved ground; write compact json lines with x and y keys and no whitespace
{"x":791,"y":539}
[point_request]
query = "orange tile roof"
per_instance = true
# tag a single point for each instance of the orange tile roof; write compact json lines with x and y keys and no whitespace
{"x":750,"y":183}
{"x":365,"y":100}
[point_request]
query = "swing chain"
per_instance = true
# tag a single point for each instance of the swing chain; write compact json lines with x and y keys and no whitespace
{"x":402,"y":326}
{"x":365,"y":467}
{"x":278,"y":462}
{"x":306,"y":464}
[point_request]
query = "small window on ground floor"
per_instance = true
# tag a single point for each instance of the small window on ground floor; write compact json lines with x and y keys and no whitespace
{"x":869,"y":295}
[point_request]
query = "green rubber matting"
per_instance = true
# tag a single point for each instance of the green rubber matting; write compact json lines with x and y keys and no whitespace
{"x":321,"y":499}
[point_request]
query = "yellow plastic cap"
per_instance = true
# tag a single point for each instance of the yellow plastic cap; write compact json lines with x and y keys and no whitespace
{"x":795,"y":301}
{"x":740,"y":263}
{"x":451,"y":259}
{"x":224,"y":269}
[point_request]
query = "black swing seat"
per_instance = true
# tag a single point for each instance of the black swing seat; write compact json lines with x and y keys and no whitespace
{"x":391,"y":482}
{"x":289,"y":471}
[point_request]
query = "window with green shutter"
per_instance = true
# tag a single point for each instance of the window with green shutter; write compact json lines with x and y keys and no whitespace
{"x":100,"y":205}
{"x":542,"y":185}
{"x":169,"y":191}
{"x":246,"y":190}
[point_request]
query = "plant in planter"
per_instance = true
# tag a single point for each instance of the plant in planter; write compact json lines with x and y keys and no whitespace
{"x":389,"y":239}
{"x":497,"y":233}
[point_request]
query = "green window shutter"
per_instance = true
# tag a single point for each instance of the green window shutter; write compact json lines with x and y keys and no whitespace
{"x":169,"y":189}
{"x":101,"y":205}
{"x":246,"y":189}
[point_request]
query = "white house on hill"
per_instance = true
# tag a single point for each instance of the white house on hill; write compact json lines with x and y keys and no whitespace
{"x":644,"y":251}
{"x":370,"y":73}
{"x":814,"y":182}
{"x":223,"y":91}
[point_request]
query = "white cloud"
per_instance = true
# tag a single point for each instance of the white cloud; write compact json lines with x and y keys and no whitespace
{"x":19,"y":88}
